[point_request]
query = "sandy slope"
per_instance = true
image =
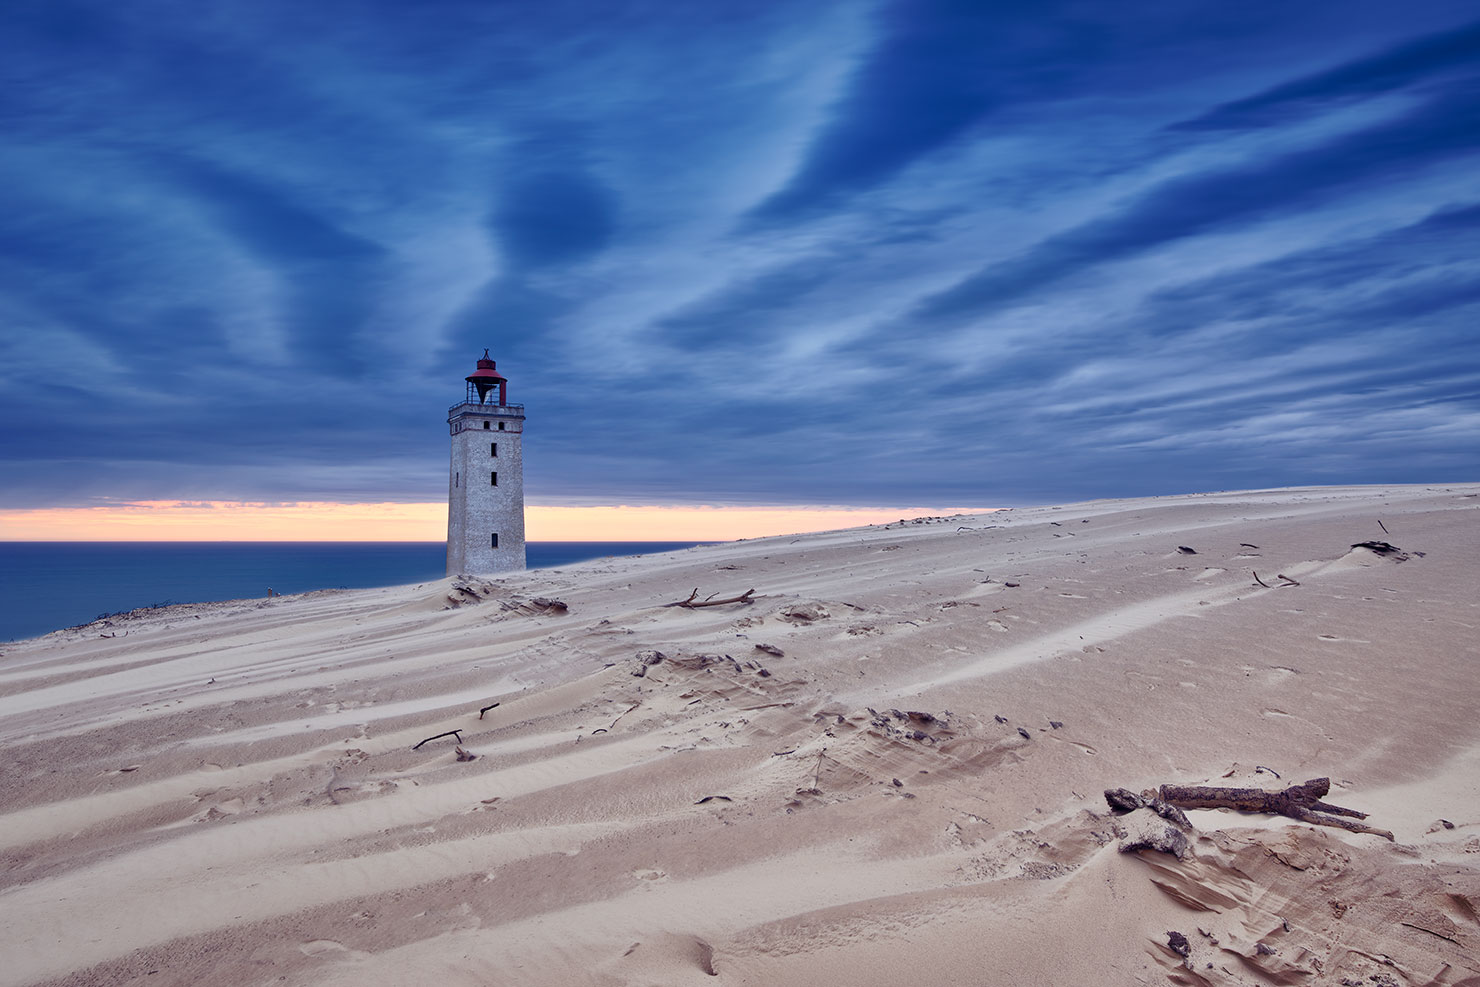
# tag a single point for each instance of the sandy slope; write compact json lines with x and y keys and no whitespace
{"x":910,"y":791}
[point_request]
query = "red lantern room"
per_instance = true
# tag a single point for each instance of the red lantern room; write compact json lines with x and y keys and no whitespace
{"x":485,"y":379}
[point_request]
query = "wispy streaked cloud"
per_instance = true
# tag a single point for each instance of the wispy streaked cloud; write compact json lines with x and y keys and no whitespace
{"x":884,"y":252}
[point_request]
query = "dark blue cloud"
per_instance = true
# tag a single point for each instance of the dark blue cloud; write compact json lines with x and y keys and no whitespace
{"x":1446,"y":127}
{"x":748,"y":311}
{"x":542,"y":222}
{"x":928,"y":80}
{"x":904,"y":251}
{"x":320,"y":263}
{"x":1416,"y":63}
{"x":1444,"y":239}
{"x":946,"y":72}
{"x":265,"y":219}
{"x":553,"y":217}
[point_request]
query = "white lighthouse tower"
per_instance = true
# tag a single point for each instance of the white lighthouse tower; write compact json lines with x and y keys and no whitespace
{"x":485,"y":480}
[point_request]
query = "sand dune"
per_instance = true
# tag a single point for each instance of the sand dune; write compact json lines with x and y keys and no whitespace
{"x":888,"y":768}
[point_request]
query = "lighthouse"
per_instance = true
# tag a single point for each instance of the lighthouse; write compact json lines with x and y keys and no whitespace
{"x":485,"y":479}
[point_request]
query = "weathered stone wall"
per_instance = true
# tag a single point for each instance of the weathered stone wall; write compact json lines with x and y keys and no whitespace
{"x":476,"y":508}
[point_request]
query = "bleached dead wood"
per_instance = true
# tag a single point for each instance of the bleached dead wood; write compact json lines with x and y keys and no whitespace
{"x":693,"y":602}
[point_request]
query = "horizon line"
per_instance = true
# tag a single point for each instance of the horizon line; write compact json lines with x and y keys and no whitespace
{"x":305,"y":522}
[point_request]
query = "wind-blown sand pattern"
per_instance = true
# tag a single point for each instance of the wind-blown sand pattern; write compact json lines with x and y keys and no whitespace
{"x":886,"y":769}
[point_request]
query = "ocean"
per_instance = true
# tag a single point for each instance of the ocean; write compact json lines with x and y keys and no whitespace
{"x":45,"y":586}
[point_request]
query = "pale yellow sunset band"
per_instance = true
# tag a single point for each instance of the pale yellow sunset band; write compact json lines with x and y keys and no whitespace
{"x":171,"y":520}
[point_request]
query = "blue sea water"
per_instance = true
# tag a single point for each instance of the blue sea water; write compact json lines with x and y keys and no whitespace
{"x":49,"y":585}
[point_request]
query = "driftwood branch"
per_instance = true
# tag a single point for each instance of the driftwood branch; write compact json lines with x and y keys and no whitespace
{"x":693,"y":602}
{"x":485,"y":709}
{"x":449,"y":733}
{"x":1260,"y":581}
{"x":1302,"y":802}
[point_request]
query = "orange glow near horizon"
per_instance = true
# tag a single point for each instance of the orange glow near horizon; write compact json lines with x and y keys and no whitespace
{"x":176,"y":520}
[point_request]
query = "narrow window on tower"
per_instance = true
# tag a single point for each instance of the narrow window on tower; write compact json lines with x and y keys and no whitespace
{"x":495,"y":540}
{"x":493,"y":479}
{"x":457,"y":479}
{"x":493,"y":449}
{"x":500,"y":424}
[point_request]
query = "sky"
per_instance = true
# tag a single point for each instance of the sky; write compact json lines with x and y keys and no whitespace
{"x":735,"y":254}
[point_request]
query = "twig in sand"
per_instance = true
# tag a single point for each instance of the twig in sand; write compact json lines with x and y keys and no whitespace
{"x":1260,"y":581}
{"x":1387,"y":532}
{"x":449,"y":733}
{"x":817,"y":775}
{"x":334,"y":786}
{"x":485,"y":709}
{"x":623,"y":713}
{"x":714,"y":798}
{"x":1430,"y":932}
{"x":1287,"y":579}
{"x":693,"y":602}
{"x":1260,"y":767}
